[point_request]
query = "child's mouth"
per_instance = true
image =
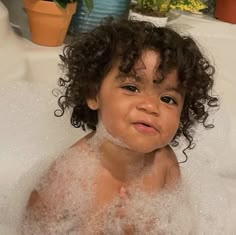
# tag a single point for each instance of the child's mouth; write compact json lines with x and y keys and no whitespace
{"x":145,"y":128}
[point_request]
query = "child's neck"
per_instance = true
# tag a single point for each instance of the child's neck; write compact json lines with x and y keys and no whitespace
{"x":123,"y":163}
{"x":120,"y":161}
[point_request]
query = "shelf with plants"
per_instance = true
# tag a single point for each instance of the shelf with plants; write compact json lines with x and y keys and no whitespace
{"x":157,"y":11}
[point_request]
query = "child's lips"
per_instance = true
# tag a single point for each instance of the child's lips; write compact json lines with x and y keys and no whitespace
{"x":145,"y":128}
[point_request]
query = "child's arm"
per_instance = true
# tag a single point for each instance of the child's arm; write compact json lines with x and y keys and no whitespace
{"x":45,"y":213}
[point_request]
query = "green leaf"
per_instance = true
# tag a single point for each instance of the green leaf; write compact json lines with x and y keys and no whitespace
{"x":61,"y":3}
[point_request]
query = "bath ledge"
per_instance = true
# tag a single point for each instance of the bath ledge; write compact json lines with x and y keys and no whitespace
{"x":21,"y":59}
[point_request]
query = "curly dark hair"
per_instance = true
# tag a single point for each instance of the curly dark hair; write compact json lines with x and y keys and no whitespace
{"x":88,"y":58}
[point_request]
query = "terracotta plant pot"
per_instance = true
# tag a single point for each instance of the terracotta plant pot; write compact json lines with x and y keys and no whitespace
{"x":226,"y":10}
{"x":48,"y":22}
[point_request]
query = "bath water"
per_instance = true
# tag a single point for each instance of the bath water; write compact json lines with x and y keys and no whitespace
{"x":32,"y":138}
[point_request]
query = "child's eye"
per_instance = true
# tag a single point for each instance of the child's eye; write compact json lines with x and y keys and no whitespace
{"x":130,"y":88}
{"x":168,"y":100}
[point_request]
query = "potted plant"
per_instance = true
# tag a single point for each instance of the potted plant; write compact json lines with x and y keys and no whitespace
{"x":150,"y":10}
{"x":63,"y":3}
{"x":157,"y":11}
{"x":49,"y":20}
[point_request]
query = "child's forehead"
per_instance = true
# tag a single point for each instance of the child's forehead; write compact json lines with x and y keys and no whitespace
{"x":148,"y":58}
{"x":147,"y":63}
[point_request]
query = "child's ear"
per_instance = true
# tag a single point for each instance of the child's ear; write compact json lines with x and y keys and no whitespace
{"x":93,"y":103}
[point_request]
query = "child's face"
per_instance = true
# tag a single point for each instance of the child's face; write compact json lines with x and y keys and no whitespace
{"x":142,"y":113}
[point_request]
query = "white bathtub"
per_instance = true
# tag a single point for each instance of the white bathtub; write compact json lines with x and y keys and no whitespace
{"x":28,"y":73}
{"x":31,"y":137}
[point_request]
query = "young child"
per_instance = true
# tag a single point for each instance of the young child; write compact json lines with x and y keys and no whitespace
{"x":138,"y":88}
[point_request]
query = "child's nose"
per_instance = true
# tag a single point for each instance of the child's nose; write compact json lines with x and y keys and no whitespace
{"x":149,"y":104}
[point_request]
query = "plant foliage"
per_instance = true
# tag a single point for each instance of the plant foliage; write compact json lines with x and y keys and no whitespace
{"x":162,"y":7}
{"x":63,"y":3}
{"x":152,"y":7}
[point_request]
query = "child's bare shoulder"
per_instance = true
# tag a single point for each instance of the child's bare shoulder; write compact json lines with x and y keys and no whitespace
{"x":63,"y":173}
{"x":50,"y":192}
{"x":166,"y":158}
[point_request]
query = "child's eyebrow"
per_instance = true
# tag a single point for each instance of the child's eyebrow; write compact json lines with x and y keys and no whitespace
{"x":128,"y":76}
{"x":175,"y":89}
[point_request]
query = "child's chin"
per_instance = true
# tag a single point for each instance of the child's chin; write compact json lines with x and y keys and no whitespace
{"x":142,"y":149}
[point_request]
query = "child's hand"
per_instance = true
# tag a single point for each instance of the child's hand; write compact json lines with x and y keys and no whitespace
{"x":128,"y":229}
{"x":121,"y":207}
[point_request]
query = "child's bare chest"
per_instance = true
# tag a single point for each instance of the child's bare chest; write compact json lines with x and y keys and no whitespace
{"x":109,"y":200}
{"x":108,"y":188}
